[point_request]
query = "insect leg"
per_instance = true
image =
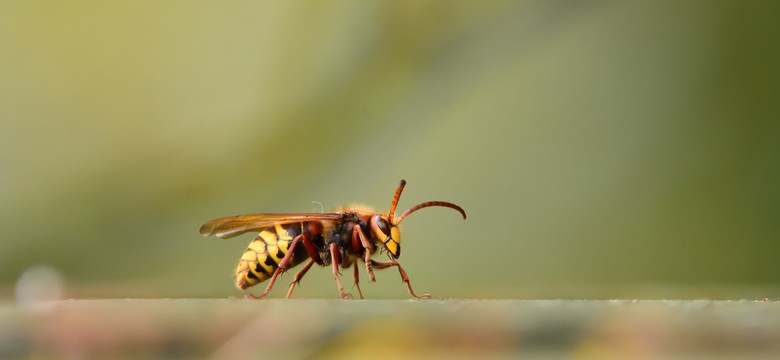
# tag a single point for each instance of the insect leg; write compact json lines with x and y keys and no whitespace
{"x":404,"y":277}
{"x":356,"y":231}
{"x":299,"y":276}
{"x":334,"y":255}
{"x":279,"y":269}
{"x":357,"y":280}
{"x":310,"y":248}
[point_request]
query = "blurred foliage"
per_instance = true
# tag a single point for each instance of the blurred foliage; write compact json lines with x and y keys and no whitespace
{"x":600,"y":148}
{"x":391,"y":329}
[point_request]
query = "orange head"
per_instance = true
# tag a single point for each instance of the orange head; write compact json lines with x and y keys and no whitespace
{"x":385,"y":227}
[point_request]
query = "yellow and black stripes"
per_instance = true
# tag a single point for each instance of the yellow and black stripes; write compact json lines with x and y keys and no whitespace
{"x":266,"y":251}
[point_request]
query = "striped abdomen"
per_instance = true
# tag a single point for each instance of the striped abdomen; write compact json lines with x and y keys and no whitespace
{"x":266,"y":251}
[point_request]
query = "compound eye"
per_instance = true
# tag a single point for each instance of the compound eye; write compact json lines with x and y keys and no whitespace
{"x":383,"y":225}
{"x":387,"y":234}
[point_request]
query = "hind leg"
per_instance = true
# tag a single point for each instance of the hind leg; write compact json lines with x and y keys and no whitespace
{"x":298,"y":277}
{"x":280,"y":269}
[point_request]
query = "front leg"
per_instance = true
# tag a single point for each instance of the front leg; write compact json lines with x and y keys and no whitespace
{"x":358,"y":232}
{"x":404,"y":277}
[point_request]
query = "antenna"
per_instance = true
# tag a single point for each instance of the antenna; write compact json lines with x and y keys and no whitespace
{"x":426,"y":204}
{"x":394,"y":204}
{"x":429,"y":204}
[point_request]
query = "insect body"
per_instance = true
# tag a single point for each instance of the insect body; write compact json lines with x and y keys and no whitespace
{"x":342,"y":238}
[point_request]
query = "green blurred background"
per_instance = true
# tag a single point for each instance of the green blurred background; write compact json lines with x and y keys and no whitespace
{"x":600,"y":148}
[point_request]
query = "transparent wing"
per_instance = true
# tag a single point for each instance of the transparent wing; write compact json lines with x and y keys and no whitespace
{"x":230,"y":226}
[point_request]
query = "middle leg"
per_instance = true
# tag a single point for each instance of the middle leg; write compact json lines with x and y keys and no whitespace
{"x":357,"y":279}
{"x":335,"y":257}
